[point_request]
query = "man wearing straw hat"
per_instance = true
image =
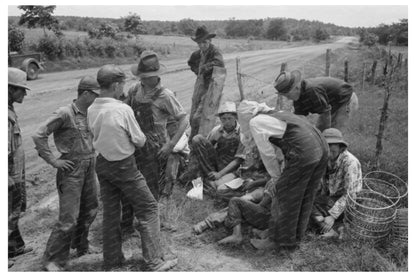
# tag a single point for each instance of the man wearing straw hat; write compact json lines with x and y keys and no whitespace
{"x":16,"y":163}
{"x":202,"y":62}
{"x":333,"y":99}
{"x":343,"y":174}
{"x":219,"y":153}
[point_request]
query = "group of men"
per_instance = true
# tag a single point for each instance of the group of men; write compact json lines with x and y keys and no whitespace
{"x":122,"y":139}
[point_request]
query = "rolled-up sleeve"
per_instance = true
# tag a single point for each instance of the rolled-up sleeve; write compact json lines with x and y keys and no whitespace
{"x":263,"y":127}
{"x":40,"y":139}
{"x":133,"y":129}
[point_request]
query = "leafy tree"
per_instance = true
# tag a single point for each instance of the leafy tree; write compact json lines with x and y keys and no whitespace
{"x":276,"y":30}
{"x":187,"y":26}
{"x":41,"y":16}
{"x":16,"y":38}
{"x":320,"y":34}
{"x":244,"y":28}
{"x":134,"y":25}
{"x":106,"y":29}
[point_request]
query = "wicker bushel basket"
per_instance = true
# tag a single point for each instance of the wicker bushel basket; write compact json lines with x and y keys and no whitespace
{"x":369,"y":215}
{"x":400,"y":226}
{"x":386,"y":183}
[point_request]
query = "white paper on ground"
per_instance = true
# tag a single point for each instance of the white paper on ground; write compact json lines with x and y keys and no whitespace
{"x":235,"y":183}
{"x":197,"y":191}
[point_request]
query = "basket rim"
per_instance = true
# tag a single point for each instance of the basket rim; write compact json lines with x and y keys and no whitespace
{"x":394,"y":198}
{"x":393,"y":204}
{"x":357,"y":226}
{"x":354,"y":213}
{"x":392,"y":175}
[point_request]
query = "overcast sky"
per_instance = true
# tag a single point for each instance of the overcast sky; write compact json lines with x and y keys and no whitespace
{"x":343,"y":15}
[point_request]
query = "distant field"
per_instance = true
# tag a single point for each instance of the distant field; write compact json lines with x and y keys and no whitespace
{"x":168,"y":47}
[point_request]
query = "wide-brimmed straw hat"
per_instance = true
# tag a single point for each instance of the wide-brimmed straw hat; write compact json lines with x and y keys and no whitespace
{"x":148,"y":65}
{"x":202,"y":34}
{"x":333,"y":135}
{"x":286,"y":81}
{"x":17,"y":78}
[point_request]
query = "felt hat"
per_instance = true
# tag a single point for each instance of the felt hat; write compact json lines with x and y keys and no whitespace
{"x":333,"y":135}
{"x":227,"y":107}
{"x":148,"y":65}
{"x":202,"y":34}
{"x":89,"y":83}
{"x":17,"y":78}
{"x":286,"y":81}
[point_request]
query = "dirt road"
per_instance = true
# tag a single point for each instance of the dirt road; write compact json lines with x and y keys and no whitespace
{"x":53,"y":90}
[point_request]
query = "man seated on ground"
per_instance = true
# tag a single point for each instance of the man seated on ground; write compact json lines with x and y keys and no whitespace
{"x":219,"y":153}
{"x":252,"y":208}
{"x":343,"y":174}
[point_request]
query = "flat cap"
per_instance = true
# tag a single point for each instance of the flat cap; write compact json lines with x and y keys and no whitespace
{"x":109,"y":74}
{"x":89,"y":83}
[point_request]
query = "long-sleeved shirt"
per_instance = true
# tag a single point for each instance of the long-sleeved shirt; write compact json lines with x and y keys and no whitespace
{"x":202,"y":63}
{"x":16,"y":154}
{"x":262,"y":127}
{"x":322,"y":94}
{"x":115,"y":130}
{"x":71,"y":135}
{"x":344,"y":176}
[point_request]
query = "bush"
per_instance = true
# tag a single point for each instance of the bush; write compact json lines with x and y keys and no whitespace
{"x":49,"y":46}
{"x":16,"y":38}
{"x":277,"y":30}
{"x":320,"y":34}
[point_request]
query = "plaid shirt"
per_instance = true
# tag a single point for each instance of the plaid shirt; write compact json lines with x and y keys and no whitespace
{"x":344,"y":176}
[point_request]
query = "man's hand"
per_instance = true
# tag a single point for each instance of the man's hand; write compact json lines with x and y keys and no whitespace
{"x":64,"y":164}
{"x":246,"y":185}
{"x":165,"y":151}
{"x":328,"y":223}
{"x":214,"y":175}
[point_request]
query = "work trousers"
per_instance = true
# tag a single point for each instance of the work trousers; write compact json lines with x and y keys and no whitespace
{"x":78,"y":207}
{"x":123,"y":177}
{"x":293,"y":201}
{"x":198,"y":98}
{"x":341,"y":116}
{"x":241,"y":210}
{"x":15,"y":199}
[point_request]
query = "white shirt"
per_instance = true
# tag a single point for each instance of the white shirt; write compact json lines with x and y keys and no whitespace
{"x":115,"y":130}
{"x":262,"y":127}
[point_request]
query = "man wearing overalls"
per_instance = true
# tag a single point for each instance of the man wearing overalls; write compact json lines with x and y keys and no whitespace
{"x":152,"y":105}
{"x":219,"y":153}
{"x":76,"y":179}
{"x":16,"y":165}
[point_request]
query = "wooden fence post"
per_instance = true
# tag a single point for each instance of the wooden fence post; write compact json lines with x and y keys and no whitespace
{"x":363,"y":80}
{"x":373,"y":72}
{"x":399,"y":60}
{"x":239,"y":81}
{"x":279,"y":104}
{"x":328,"y":61}
{"x":346,"y":70}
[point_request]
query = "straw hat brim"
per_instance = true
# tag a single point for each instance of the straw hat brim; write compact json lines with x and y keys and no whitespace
{"x":19,"y":85}
{"x":208,"y":36}
{"x":136,"y":72}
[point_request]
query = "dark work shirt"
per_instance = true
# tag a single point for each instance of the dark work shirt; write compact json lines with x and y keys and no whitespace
{"x":322,"y":94}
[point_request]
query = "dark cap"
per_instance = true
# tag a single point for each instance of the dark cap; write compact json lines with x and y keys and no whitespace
{"x":89,"y":83}
{"x":109,"y":74}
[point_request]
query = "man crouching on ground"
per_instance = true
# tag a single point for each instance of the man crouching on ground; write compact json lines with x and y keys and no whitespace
{"x":76,"y":181}
{"x":116,"y":134}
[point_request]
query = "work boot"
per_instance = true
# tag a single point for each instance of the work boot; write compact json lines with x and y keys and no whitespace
{"x":20,"y":251}
{"x":200,"y":227}
{"x":261,"y":234}
{"x":166,"y":265}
